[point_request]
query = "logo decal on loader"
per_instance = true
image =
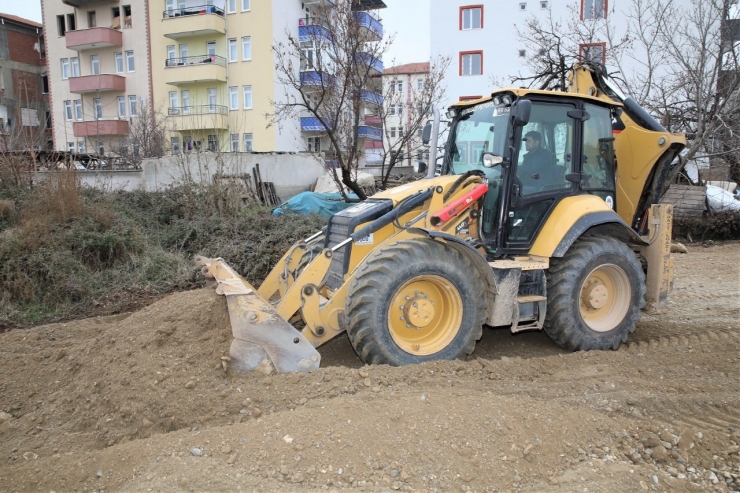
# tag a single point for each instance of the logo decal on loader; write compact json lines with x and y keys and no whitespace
{"x":463,"y":228}
{"x":368,"y":240}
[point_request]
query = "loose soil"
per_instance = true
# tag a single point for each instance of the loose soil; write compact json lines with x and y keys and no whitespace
{"x":142,"y":402}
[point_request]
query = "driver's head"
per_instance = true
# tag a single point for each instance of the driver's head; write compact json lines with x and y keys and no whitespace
{"x":532,"y":140}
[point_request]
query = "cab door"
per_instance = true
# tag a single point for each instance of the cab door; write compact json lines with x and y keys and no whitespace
{"x":536,"y":188}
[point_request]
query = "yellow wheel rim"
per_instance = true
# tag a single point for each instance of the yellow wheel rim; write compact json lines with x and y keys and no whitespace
{"x":425,"y":315}
{"x":605,"y":297}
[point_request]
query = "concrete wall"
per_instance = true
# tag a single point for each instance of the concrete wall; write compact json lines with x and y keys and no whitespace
{"x":291,"y":173}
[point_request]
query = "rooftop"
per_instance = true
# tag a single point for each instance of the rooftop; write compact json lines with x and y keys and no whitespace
{"x":20,"y":20}
{"x":409,"y":68}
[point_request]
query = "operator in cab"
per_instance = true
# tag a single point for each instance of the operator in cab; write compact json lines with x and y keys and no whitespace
{"x":538,"y":164}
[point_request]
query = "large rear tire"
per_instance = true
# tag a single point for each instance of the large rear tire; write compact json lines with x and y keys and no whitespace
{"x":594,"y":295}
{"x":414,"y":301}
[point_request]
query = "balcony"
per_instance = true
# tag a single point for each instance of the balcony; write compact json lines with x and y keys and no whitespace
{"x":373,"y":144}
{"x":206,"y":116}
{"x":319,"y":3}
{"x":193,"y":21}
{"x":97,"y":83}
{"x":314,"y":78}
{"x":370,"y":28}
{"x":188,"y":70}
{"x":311,"y":32}
{"x":375,"y":65}
{"x":310,"y":123}
{"x":374,"y":121}
{"x":372,"y":98}
{"x":100,"y":127}
{"x":369,"y":133}
{"x":97,"y":37}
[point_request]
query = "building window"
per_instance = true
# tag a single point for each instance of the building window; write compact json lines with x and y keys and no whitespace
{"x":233,"y":98}
{"x":71,"y":22}
{"x":65,"y":68}
{"x":130,"y":61}
{"x":70,"y":147}
{"x":94,"y":64}
{"x":91,"y":19}
{"x":471,"y":17}
{"x":98,"y":105}
{"x":471,"y":63}
{"x":247,"y":142}
{"x":234,"y":138}
{"x":29,"y":117}
{"x":132,"y":106}
{"x":101,"y":148}
{"x":393,"y":132}
{"x":78,"y":110}
{"x":211,"y":48}
{"x":232,"y":50}
{"x":213,"y":143}
{"x":247,"y":93}
{"x":170,"y":56}
{"x":185,"y":95}
{"x":314,"y":144}
{"x":75,"y":66}
{"x":175,"y":144}
{"x":48,"y":119}
{"x":81,"y":146}
{"x":523,"y":6}
{"x":68,"y":111}
{"x":184,"y":50}
{"x":399,"y":86}
{"x":119,"y":62}
{"x":593,"y":9}
{"x":246,"y":48}
{"x":544,"y":4}
{"x":45,"y":83}
{"x":593,"y":52}
{"x":245,"y":5}
{"x":400,"y":110}
{"x":522,"y":53}
{"x":121,"y":107}
{"x":392,"y":109}
{"x":173,"y":100}
{"x":420,"y":84}
{"x":127,"y":16}
{"x":61,"y":25}
{"x":231,"y":6}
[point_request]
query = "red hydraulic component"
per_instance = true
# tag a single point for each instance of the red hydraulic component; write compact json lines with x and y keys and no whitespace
{"x":459,"y":205}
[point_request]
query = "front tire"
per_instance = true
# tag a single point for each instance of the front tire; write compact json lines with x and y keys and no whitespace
{"x":595,"y":293}
{"x":414,"y":301}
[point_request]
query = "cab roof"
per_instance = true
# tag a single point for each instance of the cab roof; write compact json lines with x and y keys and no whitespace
{"x":521,"y":92}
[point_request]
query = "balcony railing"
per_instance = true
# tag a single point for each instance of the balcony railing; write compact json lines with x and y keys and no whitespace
{"x":371,"y":25}
{"x":193,"y":10}
{"x":195,"y":60}
{"x":307,"y":33}
{"x":371,"y":97}
{"x":113,"y":126}
{"x":97,"y":83}
{"x":96,"y":37}
{"x":314,"y":78}
{"x":323,"y":3}
{"x":310,"y":123}
{"x":369,"y":60}
{"x":370,"y":133}
{"x":374,"y":121}
{"x":198,"y":109}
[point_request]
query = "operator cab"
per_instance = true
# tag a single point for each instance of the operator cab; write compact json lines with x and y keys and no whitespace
{"x":534,"y":149}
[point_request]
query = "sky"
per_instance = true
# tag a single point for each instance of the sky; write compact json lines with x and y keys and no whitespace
{"x":407,"y":19}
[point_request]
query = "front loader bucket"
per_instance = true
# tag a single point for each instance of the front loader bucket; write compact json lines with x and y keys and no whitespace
{"x":260,"y":334}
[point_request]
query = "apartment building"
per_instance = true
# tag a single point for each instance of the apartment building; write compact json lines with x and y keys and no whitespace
{"x":481,"y":37}
{"x":404,"y":83}
{"x":99,"y":71}
{"x":25,"y":120}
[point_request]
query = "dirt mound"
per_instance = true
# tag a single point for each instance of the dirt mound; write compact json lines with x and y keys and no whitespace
{"x":142,"y":401}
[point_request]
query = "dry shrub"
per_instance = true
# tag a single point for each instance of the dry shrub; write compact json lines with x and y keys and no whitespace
{"x":7,"y":210}
{"x":57,"y":199}
{"x":717,"y":227}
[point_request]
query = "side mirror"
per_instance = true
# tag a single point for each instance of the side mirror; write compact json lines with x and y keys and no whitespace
{"x":420,"y":167}
{"x":491,"y":160}
{"x":521,"y":110}
{"x":426,"y":133}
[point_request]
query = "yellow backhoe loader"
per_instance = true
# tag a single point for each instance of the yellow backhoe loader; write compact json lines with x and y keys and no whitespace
{"x":542,"y":215}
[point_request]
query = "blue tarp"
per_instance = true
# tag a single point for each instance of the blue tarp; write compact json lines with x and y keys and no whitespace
{"x":323,"y":204}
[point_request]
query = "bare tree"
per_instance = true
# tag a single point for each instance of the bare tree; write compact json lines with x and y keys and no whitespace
{"x":555,"y":45}
{"x":677,"y":59}
{"x":415,"y":111}
{"x":324,"y":77}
